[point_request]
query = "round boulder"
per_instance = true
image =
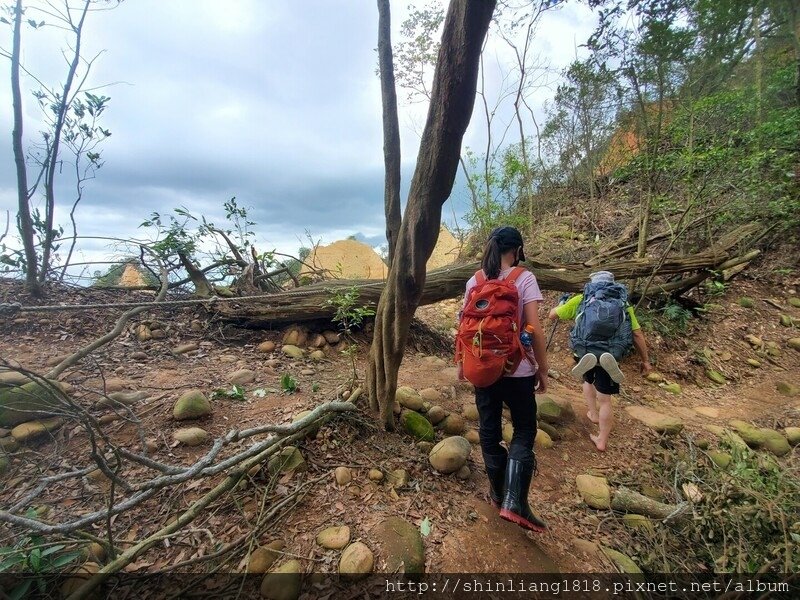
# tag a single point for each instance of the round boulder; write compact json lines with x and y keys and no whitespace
{"x":594,"y":490}
{"x":401,"y":543}
{"x":417,"y":425}
{"x":508,"y":433}
{"x":295,"y":336}
{"x":185,"y":348}
{"x":542,"y":440}
{"x":449,"y":455}
{"x":425,"y":446}
{"x":548,"y":409}
{"x":357,"y":561}
{"x":266,"y":347}
{"x":242,"y":377}
{"x":284,"y":582}
{"x":397,"y":478}
{"x":721,"y":459}
{"x":454,"y":424}
{"x":32,"y":431}
{"x":334,"y":538}
{"x":436,"y":414}
{"x":262,"y":558}
{"x":191,"y":405}
{"x":753,"y":436}
{"x":289,"y":459}
{"x":775,"y":442}
{"x":292,"y":351}
{"x":77,"y":577}
{"x":343,"y":475}
{"x":792,"y":435}
{"x":409,"y":398}
{"x":191,"y":436}
{"x":471,"y":412}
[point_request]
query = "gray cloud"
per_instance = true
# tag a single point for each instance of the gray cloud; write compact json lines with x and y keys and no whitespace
{"x":274,"y":102}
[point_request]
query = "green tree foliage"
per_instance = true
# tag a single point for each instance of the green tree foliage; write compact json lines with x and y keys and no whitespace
{"x":682,"y":107}
{"x":581,"y":120}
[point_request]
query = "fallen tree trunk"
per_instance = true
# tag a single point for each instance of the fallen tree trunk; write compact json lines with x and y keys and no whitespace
{"x":630,"y":502}
{"x":311,"y":302}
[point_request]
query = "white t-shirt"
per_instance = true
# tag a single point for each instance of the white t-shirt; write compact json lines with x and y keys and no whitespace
{"x":528,"y":290}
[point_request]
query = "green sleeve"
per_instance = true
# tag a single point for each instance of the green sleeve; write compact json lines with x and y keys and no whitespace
{"x":634,"y":321}
{"x":569,"y":310}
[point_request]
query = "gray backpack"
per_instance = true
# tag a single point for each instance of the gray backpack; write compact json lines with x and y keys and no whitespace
{"x":602,"y":324}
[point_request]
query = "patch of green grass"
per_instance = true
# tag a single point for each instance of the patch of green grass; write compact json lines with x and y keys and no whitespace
{"x":288,"y":384}
{"x":671,"y":320}
{"x":235,"y":393}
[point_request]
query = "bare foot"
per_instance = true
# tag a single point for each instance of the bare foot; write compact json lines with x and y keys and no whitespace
{"x":596,"y":440}
{"x":593,"y":419}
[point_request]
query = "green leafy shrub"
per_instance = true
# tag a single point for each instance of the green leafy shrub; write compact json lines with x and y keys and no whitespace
{"x":743,"y":521}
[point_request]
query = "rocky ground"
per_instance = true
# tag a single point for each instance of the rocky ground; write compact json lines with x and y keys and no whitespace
{"x":388,"y":502}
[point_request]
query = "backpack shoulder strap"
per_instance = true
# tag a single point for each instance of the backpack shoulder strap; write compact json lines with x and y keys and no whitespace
{"x":515,"y":274}
{"x":480,"y":276}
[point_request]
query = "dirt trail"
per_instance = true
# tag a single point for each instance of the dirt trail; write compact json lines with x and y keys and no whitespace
{"x":500,"y":547}
{"x":467,"y":534}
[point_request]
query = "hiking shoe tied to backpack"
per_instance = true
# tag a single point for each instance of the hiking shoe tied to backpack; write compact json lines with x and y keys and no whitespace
{"x":585,"y":364}
{"x":610,"y":365}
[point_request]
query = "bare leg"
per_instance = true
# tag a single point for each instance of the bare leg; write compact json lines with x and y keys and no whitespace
{"x":590,"y":394}
{"x":606,"y":420}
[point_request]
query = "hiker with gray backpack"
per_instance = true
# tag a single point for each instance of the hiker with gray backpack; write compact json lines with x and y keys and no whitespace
{"x":604,"y":331}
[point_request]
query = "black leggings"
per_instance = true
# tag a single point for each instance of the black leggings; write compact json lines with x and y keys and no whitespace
{"x":518,"y":395}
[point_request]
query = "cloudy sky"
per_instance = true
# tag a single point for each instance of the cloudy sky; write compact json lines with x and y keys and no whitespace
{"x":275,"y":102}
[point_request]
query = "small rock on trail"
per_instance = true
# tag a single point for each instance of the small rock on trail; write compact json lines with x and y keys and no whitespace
{"x":656,"y":421}
{"x":409,"y":398}
{"x":343,"y":475}
{"x":417,"y":425}
{"x":293,"y":351}
{"x":284,"y":582}
{"x":595,"y":491}
{"x":186,"y":348}
{"x":262,"y":558}
{"x":357,"y":561}
{"x":334,"y":538}
{"x":191,"y":405}
{"x":242,"y":377}
{"x":402,"y":545}
{"x":266,"y":347}
{"x":191,"y":436}
{"x":449,"y":455}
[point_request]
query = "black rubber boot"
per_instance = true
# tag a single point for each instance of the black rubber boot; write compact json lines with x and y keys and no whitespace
{"x":515,"y":502}
{"x":496,"y":471}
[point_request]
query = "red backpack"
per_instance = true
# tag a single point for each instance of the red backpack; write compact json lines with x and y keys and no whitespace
{"x":487,"y":343}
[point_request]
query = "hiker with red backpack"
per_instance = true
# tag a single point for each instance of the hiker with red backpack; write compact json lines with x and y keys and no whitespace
{"x":500,"y":349}
{"x":604,"y":331}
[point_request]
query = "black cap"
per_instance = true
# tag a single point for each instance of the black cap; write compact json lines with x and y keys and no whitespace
{"x":508,"y":238}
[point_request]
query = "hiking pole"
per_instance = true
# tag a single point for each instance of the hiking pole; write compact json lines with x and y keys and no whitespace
{"x":564,"y":298}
